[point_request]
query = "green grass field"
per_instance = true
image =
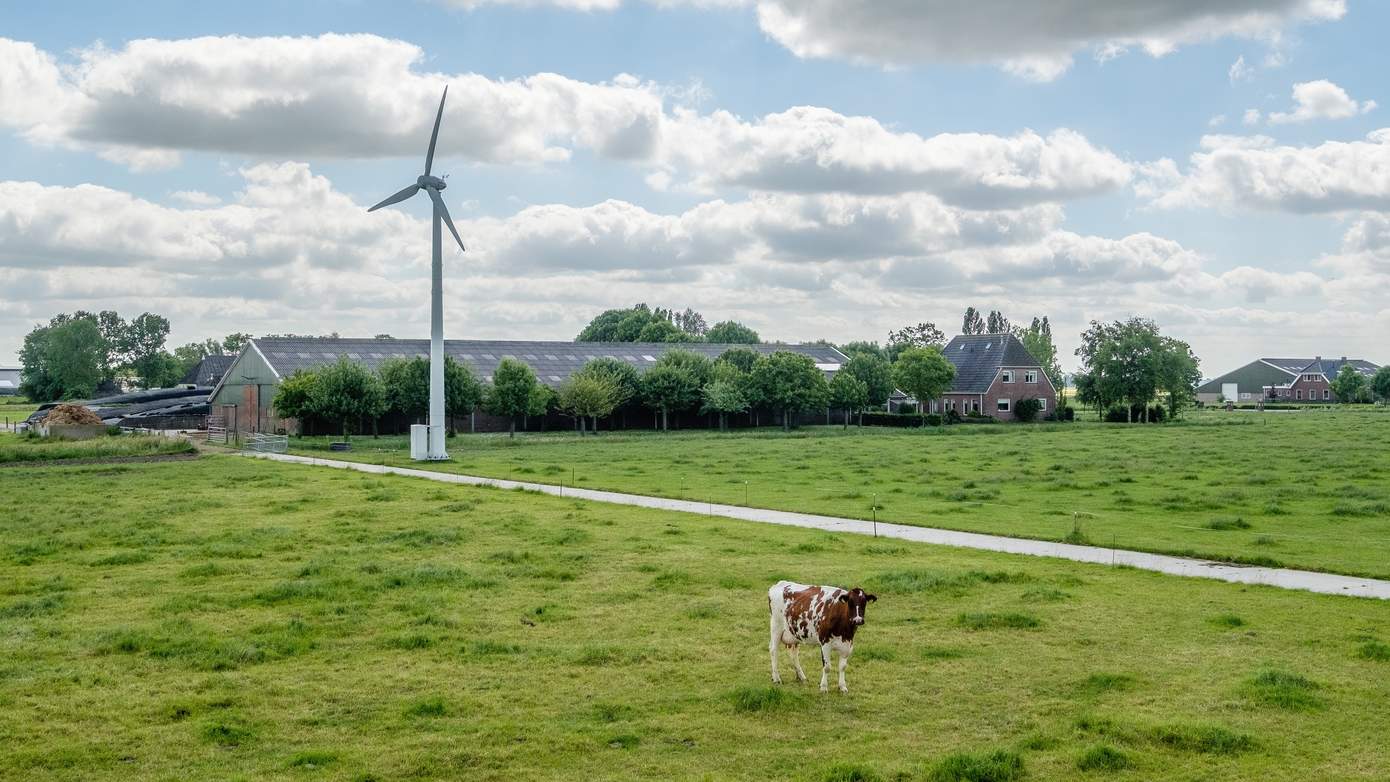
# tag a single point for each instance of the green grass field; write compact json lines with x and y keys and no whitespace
{"x":237,"y":619}
{"x":17,"y":448}
{"x":1308,"y":490}
{"x":16,"y":408}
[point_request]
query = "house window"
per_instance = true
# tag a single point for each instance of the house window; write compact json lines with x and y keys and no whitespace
{"x":1298,"y":394}
{"x":1326,"y":394}
{"x":1042,"y":403}
{"x":1002,"y":405}
{"x":1031,"y":376}
{"x":1007,"y":376}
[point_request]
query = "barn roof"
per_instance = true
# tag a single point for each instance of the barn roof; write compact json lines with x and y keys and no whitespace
{"x":208,"y":371}
{"x":1329,"y":367}
{"x":552,"y":362}
{"x":978,"y":358}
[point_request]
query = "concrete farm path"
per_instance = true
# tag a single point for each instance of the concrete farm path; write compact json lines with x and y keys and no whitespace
{"x":1283,"y":578}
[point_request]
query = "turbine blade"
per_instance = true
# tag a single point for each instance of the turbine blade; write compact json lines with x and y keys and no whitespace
{"x":429,"y":156}
{"x":397,"y":198}
{"x":444,"y":212}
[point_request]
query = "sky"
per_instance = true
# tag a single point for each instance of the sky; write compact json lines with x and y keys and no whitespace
{"x":815,"y":169}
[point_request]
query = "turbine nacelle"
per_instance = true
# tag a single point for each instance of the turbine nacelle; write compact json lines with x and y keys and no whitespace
{"x":426,"y":180}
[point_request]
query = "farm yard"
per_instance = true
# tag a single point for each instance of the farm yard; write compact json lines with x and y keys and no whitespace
{"x":232,"y":618}
{"x":1306,"y":490}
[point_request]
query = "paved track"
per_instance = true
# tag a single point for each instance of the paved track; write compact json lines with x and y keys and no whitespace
{"x":1283,"y":578}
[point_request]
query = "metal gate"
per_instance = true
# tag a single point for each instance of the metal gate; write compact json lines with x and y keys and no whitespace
{"x":217,"y":429}
{"x":260,"y":442}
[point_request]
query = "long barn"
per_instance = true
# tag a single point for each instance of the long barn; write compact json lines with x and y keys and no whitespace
{"x":243,"y":395}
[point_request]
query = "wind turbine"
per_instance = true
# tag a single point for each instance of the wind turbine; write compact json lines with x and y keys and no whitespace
{"x":434,"y":447}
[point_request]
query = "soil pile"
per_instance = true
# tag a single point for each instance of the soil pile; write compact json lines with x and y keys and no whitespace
{"x":71,"y":414}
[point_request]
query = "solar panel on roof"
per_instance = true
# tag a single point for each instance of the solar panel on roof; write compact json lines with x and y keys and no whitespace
{"x":467,"y":356}
{"x":531,"y":357}
{"x":649,"y":358}
{"x":304,"y":355}
{"x":355,"y":356}
{"x":489,"y":357}
{"x":552,"y":358}
{"x":326,"y":354}
{"x":555,"y":378}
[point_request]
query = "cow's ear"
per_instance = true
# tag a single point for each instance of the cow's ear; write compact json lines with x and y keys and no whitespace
{"x":871,"y":598}
{"x":843,"y":597}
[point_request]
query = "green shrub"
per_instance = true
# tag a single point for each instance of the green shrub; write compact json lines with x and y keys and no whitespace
{"x":1026,"y":410}
{"x":998,"y":766}
{"x":1103,"y":757}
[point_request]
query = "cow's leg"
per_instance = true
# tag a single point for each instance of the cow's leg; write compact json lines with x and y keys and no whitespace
{"x":845,"y":652}
{"x":824,"y":667}
{"x":796,"y":661}
{"x":776,"y":633}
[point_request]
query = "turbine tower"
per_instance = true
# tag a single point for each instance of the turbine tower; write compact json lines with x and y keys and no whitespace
{"x":432,"y":447}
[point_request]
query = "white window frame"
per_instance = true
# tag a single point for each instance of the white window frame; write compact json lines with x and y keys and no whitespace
{"x":1004,"y":405}
{"x":1031,"y":376}
{"x":1327,"y":394}
{"x":1042,"y":402}
{"x":1007,"y":376}
{"x":1298,"y":394}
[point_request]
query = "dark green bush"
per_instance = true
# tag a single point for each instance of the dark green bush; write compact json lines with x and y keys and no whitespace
{"x":1027,"y":409}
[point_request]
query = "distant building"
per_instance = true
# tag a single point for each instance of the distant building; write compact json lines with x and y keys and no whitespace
{"x":9,"y":381}
{"x":243,"y":395}
{"x":1277,"y":378}
{"x":208,"y":372}
{"x":1314,"y":381}
{"x":993,"y":373}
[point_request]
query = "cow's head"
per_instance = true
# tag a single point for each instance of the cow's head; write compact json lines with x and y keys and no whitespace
{"x":856,"y":599}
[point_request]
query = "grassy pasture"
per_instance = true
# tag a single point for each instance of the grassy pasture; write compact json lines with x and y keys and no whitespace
{"x":15,"y":448}
{"x":237,"y":619}
{"x":1308,"y":490}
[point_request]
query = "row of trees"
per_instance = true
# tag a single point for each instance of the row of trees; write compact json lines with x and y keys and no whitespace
{"x":76,"y":354}
{"x":1352,"y":386}
{"x":1131,"y":363}
{"x":644,"y":324}
{"x":347,"y":391}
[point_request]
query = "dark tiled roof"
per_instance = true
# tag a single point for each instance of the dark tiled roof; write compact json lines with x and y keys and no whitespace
{"x":1290,"y":365}
{"x":209,"y":370}
{"x":978,"y":357}
{"x":1329,"y":367}
{"x":551,"y":361}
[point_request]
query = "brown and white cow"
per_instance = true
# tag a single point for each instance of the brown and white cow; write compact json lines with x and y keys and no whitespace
{"x":824,"y":615}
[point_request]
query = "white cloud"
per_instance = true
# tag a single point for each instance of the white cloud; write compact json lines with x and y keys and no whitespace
{"x":1036,"y":40}
{"x":1320,"y":99}
{"x":1254,"y":172}
{"x":808,"y":149}
{"x":1217,"y":121}
{"x":195,"y":198}
{"x":331,"y":95}
{"x":1251,"y":117}
{"x":1239,"y":71}
{"x":361,"y":96}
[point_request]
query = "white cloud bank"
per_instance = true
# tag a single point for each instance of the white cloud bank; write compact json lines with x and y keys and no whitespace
{"x":1320,"y":99}
{"x":362,"y":96}
{"x":1036,"y":40}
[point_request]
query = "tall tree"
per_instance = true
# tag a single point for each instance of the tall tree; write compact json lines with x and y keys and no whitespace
{"x":234,"y":342}
{"x":63,"y":361}
{"x":635,"y":324}
{"x":731,"y":332}
{"x":1380,"y":384}
{"x":996,"y":323}
{"x":346,"y":390}
{"x":512,"y":392}
{"x":588,"y":397}
{"x":668,"y":387}
{"x":406,"y":382}
{"x":921,"y":335}
{"x":691,"y":322}
{"x":848,"y":393}
{"x":789,"y":382}
{"x":1349,"y":384}
{"x":698,"y":366}
{"x":727,"y":392}
{"x":625,"y":378}
{"x":462,"y":391}
{"x":1178,"y":374}
{"x":743,"y":358}
{"x":875,"y":373}
{"x":294,"y":397}
{"x":972,"y":323}
{"x":925,"y":374}
{"x":1037,"y":338}
{"x":1130,"y":362}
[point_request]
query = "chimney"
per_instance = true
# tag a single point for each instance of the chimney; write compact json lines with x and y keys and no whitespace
{"x":1317,"y":358}
{"x":1344,"y":359}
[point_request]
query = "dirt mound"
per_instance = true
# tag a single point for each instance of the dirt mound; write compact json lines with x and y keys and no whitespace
{"x":71,"y":414}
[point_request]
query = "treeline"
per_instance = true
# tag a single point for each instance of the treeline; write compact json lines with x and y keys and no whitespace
{"x":1127,"y":366}
{"x":644,"y":324}
{"x":77,"y":355}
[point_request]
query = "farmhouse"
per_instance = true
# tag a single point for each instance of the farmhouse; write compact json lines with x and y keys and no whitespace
{"x":1284,"y":376}
{"x":243,"y":396}
{"x":207,"y":372}
{"x":993,"y":373}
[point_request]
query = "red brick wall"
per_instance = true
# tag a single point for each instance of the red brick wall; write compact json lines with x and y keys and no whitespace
{"x":1314,"y":388}
{"x":989,"y":401}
